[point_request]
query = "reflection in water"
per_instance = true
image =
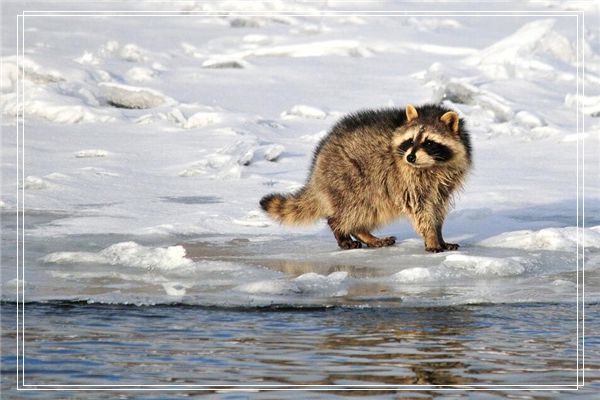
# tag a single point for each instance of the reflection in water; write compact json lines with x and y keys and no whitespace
{"x":423,"y":346}
{"x":296,"y":268}
{"x":247,"y":252}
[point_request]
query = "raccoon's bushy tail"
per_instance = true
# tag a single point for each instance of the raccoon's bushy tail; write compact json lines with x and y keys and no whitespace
{"x":293,"y":209}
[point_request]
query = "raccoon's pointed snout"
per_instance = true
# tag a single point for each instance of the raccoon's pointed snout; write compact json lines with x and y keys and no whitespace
{"x":411,"y":158}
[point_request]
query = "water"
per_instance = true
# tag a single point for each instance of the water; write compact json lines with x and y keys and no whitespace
{"x":74,"y":343}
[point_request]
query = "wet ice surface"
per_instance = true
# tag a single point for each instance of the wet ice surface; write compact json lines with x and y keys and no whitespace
{"x":249,"y":270}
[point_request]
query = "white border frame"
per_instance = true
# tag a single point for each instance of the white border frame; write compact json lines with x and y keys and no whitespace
{"x":233,"y":388}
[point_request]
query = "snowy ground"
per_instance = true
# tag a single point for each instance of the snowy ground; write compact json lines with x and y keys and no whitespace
{"x":149,"y":141}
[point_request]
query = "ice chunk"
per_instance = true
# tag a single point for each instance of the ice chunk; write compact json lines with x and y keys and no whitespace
{"x":87,"y":58}
{"x":242,"y":150}
{"x":14,"y":69}
{"x":135,"y":255}
{"x":269,"y":287}
{"x":225,"y":63}
{"x":334,"y":284}
{"x":314,"y":138}
{"x":175,"y":115}
{"x":304,"y":111}
{"x":246,"y":158}
{"x":458,"y":91}
{"x":133,"y":53}
{"x":528,"y":119}
{"x":129,"y":254}
{"x":140,"y":74}
{"x":202,"y":119}
{"x":125,"y":96}
{"x":65,"y":103}
{"x":273,"y":152}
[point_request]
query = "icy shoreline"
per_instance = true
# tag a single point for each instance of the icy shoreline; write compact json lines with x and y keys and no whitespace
{"x":146,"y":141}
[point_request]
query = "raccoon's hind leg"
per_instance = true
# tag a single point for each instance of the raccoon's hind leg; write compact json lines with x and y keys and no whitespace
{"x":373,"y":241}
{"x":344,"y":240}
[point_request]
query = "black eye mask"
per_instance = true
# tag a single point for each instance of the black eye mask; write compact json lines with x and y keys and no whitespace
{"x":404,"y":146}
{"x":437,"y":151}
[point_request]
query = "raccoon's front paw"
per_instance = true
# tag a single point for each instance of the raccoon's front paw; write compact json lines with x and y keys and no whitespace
{"x":451,"y":246}
{"x":350,"y":244}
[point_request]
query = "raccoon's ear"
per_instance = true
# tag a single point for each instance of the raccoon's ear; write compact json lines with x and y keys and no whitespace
{"x":451,"y":120}
{"x":411,"y":113}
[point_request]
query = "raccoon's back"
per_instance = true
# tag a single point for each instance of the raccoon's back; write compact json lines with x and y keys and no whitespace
{"x":361,"y":134}
{"x":383,"y":119}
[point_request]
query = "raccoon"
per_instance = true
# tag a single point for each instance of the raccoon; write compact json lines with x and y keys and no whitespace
{"x":375,"y":166}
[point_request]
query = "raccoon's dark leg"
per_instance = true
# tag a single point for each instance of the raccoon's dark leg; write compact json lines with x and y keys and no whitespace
{"x":373,"y":241}
{"x":446,"y":246}
{"x":344,"y":240}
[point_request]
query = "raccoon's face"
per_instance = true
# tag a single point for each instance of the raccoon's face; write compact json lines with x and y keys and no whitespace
{"x":423,"y":145}
{"x":422,"y":148}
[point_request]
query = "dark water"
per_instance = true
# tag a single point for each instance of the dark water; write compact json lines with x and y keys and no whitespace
{"x":95,"y":344}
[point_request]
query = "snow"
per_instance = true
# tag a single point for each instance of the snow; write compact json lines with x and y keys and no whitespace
{"x":149,"y":146}
{"x":564,"y":239}
{"x":520,"y":54}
